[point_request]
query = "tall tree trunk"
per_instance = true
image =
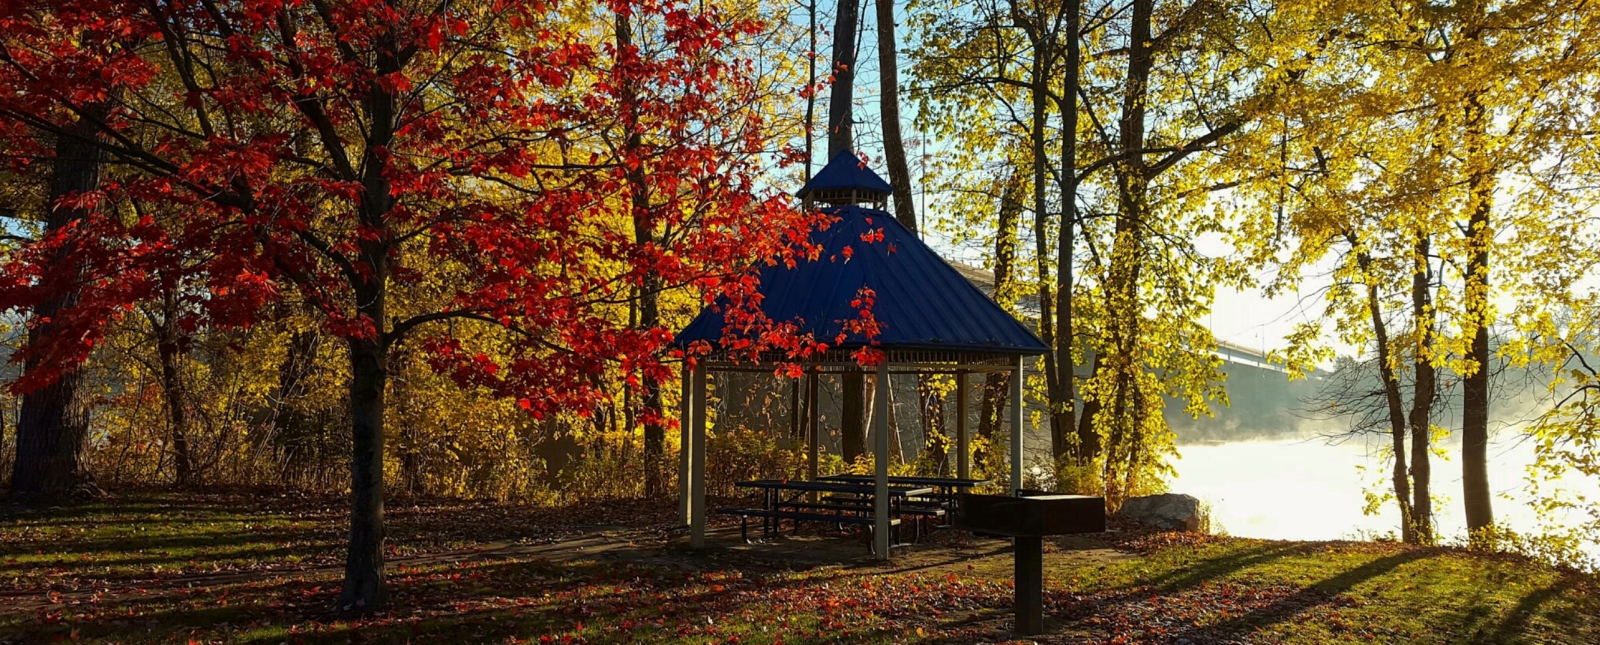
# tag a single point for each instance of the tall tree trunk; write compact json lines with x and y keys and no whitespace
{"x":996,"y":385}
{"x":1122,"y":291}
{"x":1391,"y":396}
{"x":935,"y":443}
{"x":1424,"y":391}
{"x":644,"y":232}
{"x":1087,"y":447}
{"x":53,"y":422}
{"x":1087,"y":432}
{"x":1039,"y":92}
{"x":894,"y":149}
{"x":840,"y":126}
{"x":364,"y":589}
{"x":852,"y":422}
{"x":1475,"y":385}
{"x":931,"y":405}
{"x":170,"y":351}
{"x":811,"y":88}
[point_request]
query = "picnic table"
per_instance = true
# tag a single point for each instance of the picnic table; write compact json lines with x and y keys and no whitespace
{"x":946,"y":489}
{"x":784,"y":499}
{"x":942,"y":483}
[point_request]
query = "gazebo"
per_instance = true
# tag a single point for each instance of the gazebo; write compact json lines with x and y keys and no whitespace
{"x":932,"y":321}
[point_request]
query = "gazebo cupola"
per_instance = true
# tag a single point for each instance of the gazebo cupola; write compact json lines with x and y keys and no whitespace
{"x":846,"y":181}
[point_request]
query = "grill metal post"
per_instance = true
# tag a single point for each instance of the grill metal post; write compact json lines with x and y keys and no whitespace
{"x":1028,"y":572}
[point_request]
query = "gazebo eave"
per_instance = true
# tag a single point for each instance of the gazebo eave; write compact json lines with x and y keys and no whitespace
{"x":898,"y":361}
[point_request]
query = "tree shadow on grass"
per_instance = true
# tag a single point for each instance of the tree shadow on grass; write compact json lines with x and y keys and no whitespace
{"x":1299,"y":602}
{"x":1181,"y":578}
{"x":1517,"y":620}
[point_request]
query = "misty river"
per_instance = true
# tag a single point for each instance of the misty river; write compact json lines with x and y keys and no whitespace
{"x":1310,"y":489}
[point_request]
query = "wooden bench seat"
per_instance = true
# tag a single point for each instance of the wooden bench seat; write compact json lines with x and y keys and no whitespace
{"x":798,"y":516}
{"x":831,"y":506}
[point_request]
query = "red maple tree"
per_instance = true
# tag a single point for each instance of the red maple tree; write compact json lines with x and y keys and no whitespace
{"x":395,"y":164}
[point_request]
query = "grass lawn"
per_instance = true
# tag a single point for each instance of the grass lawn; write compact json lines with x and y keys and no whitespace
{"x":257,"y":569}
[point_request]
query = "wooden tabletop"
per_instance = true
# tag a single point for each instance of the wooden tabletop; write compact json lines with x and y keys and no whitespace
{"x":833,"y":487}
{"x":954,"y":482}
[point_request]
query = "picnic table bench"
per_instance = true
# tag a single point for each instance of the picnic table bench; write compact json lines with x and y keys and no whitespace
{"x":782,"y":500}
{"x":938,"y":506}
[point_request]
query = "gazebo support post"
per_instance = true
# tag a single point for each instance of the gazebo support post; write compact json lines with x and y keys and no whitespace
{"x":697,"y":463}
{"x":685,"y":446}
{"x":962,"y":449}
{"x":815,"y":421}
{"x":1016,"y":427}
{"x":880,"y":483}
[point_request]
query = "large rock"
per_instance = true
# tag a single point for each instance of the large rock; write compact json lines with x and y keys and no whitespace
{"x":1172,"y":512}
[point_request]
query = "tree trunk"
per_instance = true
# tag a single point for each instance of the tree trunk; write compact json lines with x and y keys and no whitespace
{"x":841,"y":139}
{"x":935,"y":444}
{"x":1475,"y":385}
{"x":644,"y":232}
{"x":1423,"y":393}
{"x":1391,"y":395}
{"x":1087,"y":447}
{"x":811,"y":88}
{"x":894,"y":149}
{"x":840,"y":130}
{"x":1039,"y":92}
{"x":1088,"y":417}
{"x":1123,"y":312}
{"x":53,"y":422}
{"x":169,"y":348}
{"x":364,"y":588}
{"x":996,"y":390}
{"x":894,"y":155}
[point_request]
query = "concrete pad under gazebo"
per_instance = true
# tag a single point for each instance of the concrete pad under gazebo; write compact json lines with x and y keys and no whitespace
{"x":931,"y":319}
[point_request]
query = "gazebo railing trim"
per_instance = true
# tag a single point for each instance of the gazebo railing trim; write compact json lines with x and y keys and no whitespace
{"x":895,"y":358}
{"x":845,"y":368}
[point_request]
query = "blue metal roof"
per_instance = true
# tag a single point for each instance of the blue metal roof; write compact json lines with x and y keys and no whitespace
{"x":922,"y":302}
{"x":844,"y":172}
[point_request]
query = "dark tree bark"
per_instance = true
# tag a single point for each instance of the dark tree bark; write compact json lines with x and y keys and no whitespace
{"x":1424,"y":392}
{"x":894,"y":149}
{"x":841,"y":139}
{"x":644,"y":231}
{"x":840,"y":127}
{"x":364,"y":589}
{"x":1475,"y":385}
{"x":53,"y":422}
{"x":1392,"y":400}
{"x":996,"y":385}
{"x":169,"y":348}
{"x":1039,"y":93}
{"x":1132,"y":179}
{"x":894,"y":155}
{"x":1087,"y":447}
{"x":811,"y":87}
